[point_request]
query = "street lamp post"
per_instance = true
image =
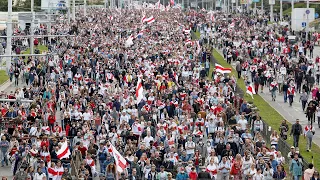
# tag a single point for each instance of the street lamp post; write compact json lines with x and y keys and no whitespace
{"x":32,"y":27}
{"x":307,"y":23}
{"x":281,"y":11}
{"x":74,"y":10}
{"x":9,"y":33}
{"x":85,"y":8}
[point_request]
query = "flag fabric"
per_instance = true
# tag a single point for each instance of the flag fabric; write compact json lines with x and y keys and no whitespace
{"x":139,"y":91}
{"x":120,"y":161}
{"x":232,"y":24}
{"x":222,"y":69}
{"x":188,"y":41}
{"x":111,"y":18}
{"x":250,"y":90}
{"x":150,"y":20}
{"x":64,"y":151}
{"x":212,"y":17}
{"x":171,"y":2}
{"x":143,"y":18}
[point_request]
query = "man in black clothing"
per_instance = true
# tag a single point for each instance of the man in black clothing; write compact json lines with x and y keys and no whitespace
{"x":227,"y":151}
{"x":16,"y":75}
{"x":203,"y":174}
{"x":296,"y":131}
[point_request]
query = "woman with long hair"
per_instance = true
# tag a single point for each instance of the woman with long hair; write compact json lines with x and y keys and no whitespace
{"x":274,"y":138}
{"x":111,"y":173}
{"x":236,"y":168}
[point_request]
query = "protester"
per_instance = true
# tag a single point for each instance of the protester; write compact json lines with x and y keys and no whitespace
{"x":130,"y":95}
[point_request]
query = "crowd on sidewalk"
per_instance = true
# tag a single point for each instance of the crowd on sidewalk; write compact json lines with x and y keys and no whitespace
{"x":131,"y":96}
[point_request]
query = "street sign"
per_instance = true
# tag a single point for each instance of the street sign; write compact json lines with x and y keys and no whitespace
{"x":272,"y":2}
{"x":304,"y":24}
{"x":307,"y":11}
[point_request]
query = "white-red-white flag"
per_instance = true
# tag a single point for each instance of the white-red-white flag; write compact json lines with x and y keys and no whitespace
{"x":139,"y":91}
{"x":222,"y":69}
{"x":143,"y":18}
{"x":251,"y":90}
{"x":120,"y":161}
{"x":64,"y":151}
{"x":150,"y":20}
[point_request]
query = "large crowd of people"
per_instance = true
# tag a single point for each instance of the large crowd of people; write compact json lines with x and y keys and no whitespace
{"x":131,"y":95}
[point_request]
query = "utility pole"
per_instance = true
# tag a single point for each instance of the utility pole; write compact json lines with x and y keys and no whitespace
{"x":85,"y":8}
{"x":262,"y":7}
{"x":74,"y":10}
{"x":292,"y":7}
{"x":237,"y":6}
{"x":32,"y":27}
{"x":281,"y":11}
{"x":202,"y":5}
{"x":9,"y":33}
{"x":307,"y":23}
{"x":69,"y":8}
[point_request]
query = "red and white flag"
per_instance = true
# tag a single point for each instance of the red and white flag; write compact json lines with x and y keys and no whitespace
{"x":232,"y":24}
{"x":212,"y":17}
{"x":111,"y":18}
{"x":188,"y":41}
{"x":250,"y":90}
{"x":171,"y":2}
{"x":175,"y":77}
{"x":55,"y":173}
{"x":139,"y":91}
{"x":64,"y":151}
{"x":222,"y":69}
{"x":143,"y":18}
{"x":120,"y":161}
{"x":150,"y":20}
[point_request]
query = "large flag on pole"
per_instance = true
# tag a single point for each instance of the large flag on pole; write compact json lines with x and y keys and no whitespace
{"x":64,"y":151}
{"x":251,"y":90}
{"x":139,"y":91}
{"x":120,"y":161}
{"x":222,"y":69}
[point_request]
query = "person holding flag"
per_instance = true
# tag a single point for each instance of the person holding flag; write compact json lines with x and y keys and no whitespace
{"x":273,"y":89}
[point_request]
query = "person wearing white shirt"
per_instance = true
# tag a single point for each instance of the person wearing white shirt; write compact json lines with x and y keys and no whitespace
{"x":39,"y":175}
{"x":87,"y":116}
{"x":190,"y":147}
{"x":258,"y":175}
{"x":148,"y":139}
{"x":124,"y":117}
{"x":243,"y":123}
{"x":224,"y":169}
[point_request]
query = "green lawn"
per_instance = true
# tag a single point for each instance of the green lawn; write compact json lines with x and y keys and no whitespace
{"x":3,"y":76}
{"x":267,"y":113}
{"x":40,"y":47}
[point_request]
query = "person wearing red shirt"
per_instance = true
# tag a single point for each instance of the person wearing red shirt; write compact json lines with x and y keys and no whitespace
{"x":217,"y":110}
{"x":51,"y":120}
{"x":83,"y":150}
{"x":193,"y":174}
{"x":44,"y":142}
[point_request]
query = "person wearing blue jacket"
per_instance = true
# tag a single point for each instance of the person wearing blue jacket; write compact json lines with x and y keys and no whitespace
{"x":296,"y":168}
{"x":182,"y":175}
